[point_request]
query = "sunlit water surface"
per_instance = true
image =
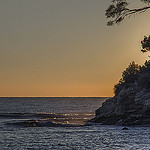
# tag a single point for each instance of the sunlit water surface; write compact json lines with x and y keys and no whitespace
{"x":65,"y":111}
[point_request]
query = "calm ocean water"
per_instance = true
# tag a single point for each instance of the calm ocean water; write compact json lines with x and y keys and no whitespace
{"x":67,"y":132}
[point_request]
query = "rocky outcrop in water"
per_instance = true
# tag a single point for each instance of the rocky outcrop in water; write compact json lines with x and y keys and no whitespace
{"x":130,"y":106}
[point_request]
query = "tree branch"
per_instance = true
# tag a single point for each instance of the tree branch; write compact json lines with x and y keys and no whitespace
{"x":120,"y":11}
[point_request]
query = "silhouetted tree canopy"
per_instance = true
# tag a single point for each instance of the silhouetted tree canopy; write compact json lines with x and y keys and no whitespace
{"x":146,"y":44}
{"x":128,"y":76}
{"x":119,"y":10}
{"x":134,"y":72}
{"x":130,"y":71}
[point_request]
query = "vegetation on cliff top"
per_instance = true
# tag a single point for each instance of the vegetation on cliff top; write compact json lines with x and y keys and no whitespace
{"x":117,"y":11}
{"x":135,"y":73}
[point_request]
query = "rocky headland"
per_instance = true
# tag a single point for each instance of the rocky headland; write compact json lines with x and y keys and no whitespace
{"x":131,"y":104}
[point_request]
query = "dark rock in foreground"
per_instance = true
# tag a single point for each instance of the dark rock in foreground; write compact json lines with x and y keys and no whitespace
{"x":128,"y":108}
{"x":125,"y":128}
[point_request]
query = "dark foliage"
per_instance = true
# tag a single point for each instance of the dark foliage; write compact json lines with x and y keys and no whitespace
{"x":133,"y":73}
{"x":118,"y":87}
{"x":119,"y":10}
{"x":130,"y":71}
{"x":145,"y":68}
{"x":144,"y":79}
{"x":145,"y":44}
{"x":128,"y":76}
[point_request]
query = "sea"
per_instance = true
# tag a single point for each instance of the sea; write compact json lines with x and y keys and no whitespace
{"x":60,"y":123}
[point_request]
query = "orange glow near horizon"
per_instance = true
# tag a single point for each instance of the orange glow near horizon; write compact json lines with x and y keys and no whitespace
{"x":76,"y":91}
{"x":64,"y":48}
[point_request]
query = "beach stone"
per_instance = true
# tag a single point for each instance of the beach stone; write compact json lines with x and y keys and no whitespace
{"x":125,"y":128}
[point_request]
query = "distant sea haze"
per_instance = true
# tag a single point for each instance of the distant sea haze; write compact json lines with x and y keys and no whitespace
{"x":50,"y":104}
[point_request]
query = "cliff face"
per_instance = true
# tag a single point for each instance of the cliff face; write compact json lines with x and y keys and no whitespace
{"x":131,"y":106}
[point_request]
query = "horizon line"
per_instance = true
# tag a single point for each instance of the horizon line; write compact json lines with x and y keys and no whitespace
{"x":50,"y":96}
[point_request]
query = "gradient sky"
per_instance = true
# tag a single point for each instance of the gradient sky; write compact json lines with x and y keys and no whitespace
{"x":64,"y":48}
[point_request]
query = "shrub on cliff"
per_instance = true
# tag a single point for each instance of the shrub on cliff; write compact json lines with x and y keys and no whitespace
{"x":128,"y":76}
{"x":145,"y":68}
{"x":135,"y":72}
{"x":118,"y":87}
{"x":144,"y":79}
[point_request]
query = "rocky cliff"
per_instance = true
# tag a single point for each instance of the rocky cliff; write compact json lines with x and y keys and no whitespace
{"x":131,"y":106}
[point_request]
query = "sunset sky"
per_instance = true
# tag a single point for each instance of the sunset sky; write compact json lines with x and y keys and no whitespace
{"x":64,"y":48}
